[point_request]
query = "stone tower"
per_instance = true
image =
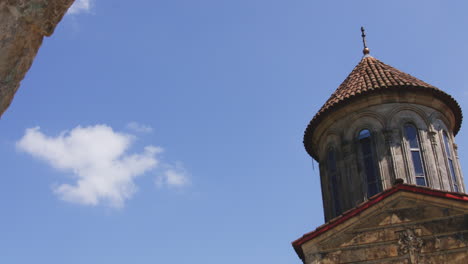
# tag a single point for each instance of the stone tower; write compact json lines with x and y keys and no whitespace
{"x":380,"y":125}
{"x":391,"y":181}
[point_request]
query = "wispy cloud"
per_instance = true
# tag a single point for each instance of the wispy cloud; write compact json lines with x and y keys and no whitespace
{"x":97,"y":158}
{"x":80,"y":6}
{"x":137,"y":127}
{"x":175,"y":176}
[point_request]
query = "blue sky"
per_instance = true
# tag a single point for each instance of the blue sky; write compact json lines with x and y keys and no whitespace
{"x":198,"y":109}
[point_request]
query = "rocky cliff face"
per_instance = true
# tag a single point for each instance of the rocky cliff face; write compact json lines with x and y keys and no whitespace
{"x":23,"y":25}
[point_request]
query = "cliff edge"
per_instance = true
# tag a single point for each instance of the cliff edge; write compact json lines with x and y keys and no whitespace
{"x":23,"y":25}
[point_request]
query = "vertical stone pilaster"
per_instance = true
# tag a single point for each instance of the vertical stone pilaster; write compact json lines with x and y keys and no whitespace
{"x":324,"y":185}
{"x":427,"y":156}
{"x":405,"y":157}
{"x":389,"y":143}
{"x":433,"y":138}
{"x":459,"y":170}
{"x":383,"y":161}
{"x":346,"y":171}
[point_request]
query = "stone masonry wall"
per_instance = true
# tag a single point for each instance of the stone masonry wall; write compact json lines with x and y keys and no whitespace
{"x":408,"y":228}
{"x":391,"y":151}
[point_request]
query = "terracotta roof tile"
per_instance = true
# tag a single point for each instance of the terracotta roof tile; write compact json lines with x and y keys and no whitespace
{"x":372,"y":75}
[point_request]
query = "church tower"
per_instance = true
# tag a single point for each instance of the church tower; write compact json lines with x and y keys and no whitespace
{"x":392,"y":185}
{"x":380,"y":125}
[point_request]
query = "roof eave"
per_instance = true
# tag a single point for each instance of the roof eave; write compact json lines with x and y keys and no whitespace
{"x":315,"y":122}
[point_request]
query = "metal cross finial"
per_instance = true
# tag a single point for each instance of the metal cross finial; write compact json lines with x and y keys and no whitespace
{"x":366,"y":50}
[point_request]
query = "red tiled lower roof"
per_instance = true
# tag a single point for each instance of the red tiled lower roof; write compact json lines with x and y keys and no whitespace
{"x":297,"y":244}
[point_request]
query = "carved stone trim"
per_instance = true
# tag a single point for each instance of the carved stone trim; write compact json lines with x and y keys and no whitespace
{"x":432,"y":136}
{"x":409,"y":244}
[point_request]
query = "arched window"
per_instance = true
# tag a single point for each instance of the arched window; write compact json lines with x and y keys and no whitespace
{"x":448,"y":152}
{"x":365,"y":142}
{"x":412,"y":139}
{"x":333,"y":177}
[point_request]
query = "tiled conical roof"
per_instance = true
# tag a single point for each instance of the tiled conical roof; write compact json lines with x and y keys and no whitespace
{"x":372,"y":75}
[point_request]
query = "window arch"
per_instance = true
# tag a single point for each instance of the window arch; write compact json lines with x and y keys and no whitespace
{"x":449,"y":155}
{"x":368,"y":160}
{"x":333,"y":180}
{"x":414,"y":145}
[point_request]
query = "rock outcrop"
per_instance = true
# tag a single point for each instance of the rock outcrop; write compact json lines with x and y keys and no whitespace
{"x":23,"y":25}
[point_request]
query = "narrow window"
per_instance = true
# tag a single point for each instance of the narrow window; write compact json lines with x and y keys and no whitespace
{"x":333,"y":176}
{"x":368,"y":162}
{"x":448,"y":151}
{"x":412,"y":139}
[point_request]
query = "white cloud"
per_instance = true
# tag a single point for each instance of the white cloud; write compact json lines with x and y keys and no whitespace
{"x":173,"y":177}
{"x":134,"y":126}
{"x":97,"y":158}
{"x":80,"y":6}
